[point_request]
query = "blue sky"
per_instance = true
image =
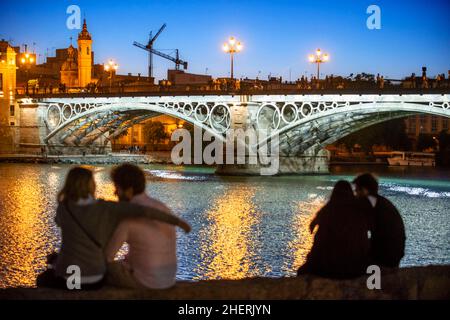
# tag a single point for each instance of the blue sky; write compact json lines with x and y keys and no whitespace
{"x":277,"y":35}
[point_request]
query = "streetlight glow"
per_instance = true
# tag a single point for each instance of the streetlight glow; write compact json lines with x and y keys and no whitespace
{"x":233,"y":46}
{"x":110,"y":67}
{"x":318,"y":58}
{"x":27,"y":61}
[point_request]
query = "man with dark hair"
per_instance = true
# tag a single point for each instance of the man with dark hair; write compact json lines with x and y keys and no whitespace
{"x":387,"y":228}
{"x":151,"y":261}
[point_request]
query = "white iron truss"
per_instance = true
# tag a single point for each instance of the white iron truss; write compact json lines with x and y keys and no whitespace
{"x":302,"y":121}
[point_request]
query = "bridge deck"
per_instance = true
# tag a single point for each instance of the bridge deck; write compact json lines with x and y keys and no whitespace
{"x":397,"y":91}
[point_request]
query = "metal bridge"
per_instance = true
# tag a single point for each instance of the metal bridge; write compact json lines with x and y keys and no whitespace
{"x":304,"y":123}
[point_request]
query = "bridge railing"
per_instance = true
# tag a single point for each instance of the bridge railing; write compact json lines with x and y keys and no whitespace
{"x":350,"y":87}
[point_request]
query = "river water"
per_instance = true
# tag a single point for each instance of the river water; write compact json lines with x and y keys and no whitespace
{"x":241,"y":226}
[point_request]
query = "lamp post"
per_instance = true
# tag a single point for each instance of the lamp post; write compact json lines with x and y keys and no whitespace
{"x":318,"y":58}
{"x":27,"y":60}
{"x":110,"y":67}
{"x":232,"y":47}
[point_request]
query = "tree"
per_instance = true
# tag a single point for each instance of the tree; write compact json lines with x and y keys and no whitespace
{"x":154,"y":132}
{"x":443,"y":156}
{"x":425,"y":141}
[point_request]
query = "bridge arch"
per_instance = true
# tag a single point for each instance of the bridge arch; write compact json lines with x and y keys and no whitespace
{"x":329,"y":124}
{"x":215,"y":120}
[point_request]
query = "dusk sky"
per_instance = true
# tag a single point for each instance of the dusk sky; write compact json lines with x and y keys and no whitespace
{"x":277,"y":35}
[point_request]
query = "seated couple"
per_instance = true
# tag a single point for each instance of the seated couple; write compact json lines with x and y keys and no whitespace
{"x":355,"y":231}
{"x":94,"y":230}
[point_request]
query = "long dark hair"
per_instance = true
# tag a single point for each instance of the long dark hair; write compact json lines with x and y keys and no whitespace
{"x":342,"y":192}
{"x":77,"y":185}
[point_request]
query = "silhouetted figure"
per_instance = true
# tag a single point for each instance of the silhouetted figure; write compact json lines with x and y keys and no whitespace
{"x":151,"y":260}
{"x":387,"y":228}
{"x":86,"y":225}
{"x":341,"y":244}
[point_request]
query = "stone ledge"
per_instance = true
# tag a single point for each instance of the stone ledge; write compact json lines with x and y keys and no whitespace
{"x":432,"y":282}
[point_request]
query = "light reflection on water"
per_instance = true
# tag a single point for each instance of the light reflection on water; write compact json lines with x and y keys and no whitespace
{"x":241,"y":226}
{"x":25,"y":239}
{"x":302,"y":239}
{"x":228,"y":250}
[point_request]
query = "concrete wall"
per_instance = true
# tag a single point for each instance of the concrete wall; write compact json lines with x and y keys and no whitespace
{"x":432,"y":282}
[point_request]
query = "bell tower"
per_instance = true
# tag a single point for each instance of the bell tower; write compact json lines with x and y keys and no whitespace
{"x":84,"y":57}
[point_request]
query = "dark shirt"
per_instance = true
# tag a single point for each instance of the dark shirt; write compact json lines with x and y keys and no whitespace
{"x":341,"y":244}
{"x":388,"y":234}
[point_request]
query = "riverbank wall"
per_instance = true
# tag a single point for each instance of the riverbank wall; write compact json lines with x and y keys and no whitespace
{"x":118,"y":158}
{"x":414,"y":283}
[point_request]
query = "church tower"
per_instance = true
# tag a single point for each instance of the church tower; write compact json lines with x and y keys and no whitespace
{"x":84,"y":57}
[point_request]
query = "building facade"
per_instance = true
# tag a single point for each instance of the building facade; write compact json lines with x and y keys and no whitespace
{"x":136,"y":135}
{"x":69,"y":69}
{"x":8,"y":108}
{"x":426,"y":124}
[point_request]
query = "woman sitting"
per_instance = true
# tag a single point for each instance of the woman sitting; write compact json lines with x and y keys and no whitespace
{"x":341,"y":243}
{"x":86,"y":225}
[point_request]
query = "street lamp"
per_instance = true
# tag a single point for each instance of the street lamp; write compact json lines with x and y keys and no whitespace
{"x":232,"y":47}
{"x":318,"y":58}
{"x":110,"y":67}
{"x":27,"y":60}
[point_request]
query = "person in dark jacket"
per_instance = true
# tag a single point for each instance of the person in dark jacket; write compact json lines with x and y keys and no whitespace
{"x":341,"y":244}
{"x":387,"y":228}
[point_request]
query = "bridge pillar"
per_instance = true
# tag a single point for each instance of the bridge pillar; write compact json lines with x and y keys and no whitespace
{"x":31,"y":128}
{"x":308,"y":163}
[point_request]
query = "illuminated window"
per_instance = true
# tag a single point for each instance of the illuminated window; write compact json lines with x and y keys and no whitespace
{"x":412,"y":124}
{"x":433,"y":123}
{"x":423,"y":122}
{"x":444,"y":124}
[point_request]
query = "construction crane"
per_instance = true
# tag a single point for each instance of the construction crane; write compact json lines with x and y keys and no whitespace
{"x":149,"y":47}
